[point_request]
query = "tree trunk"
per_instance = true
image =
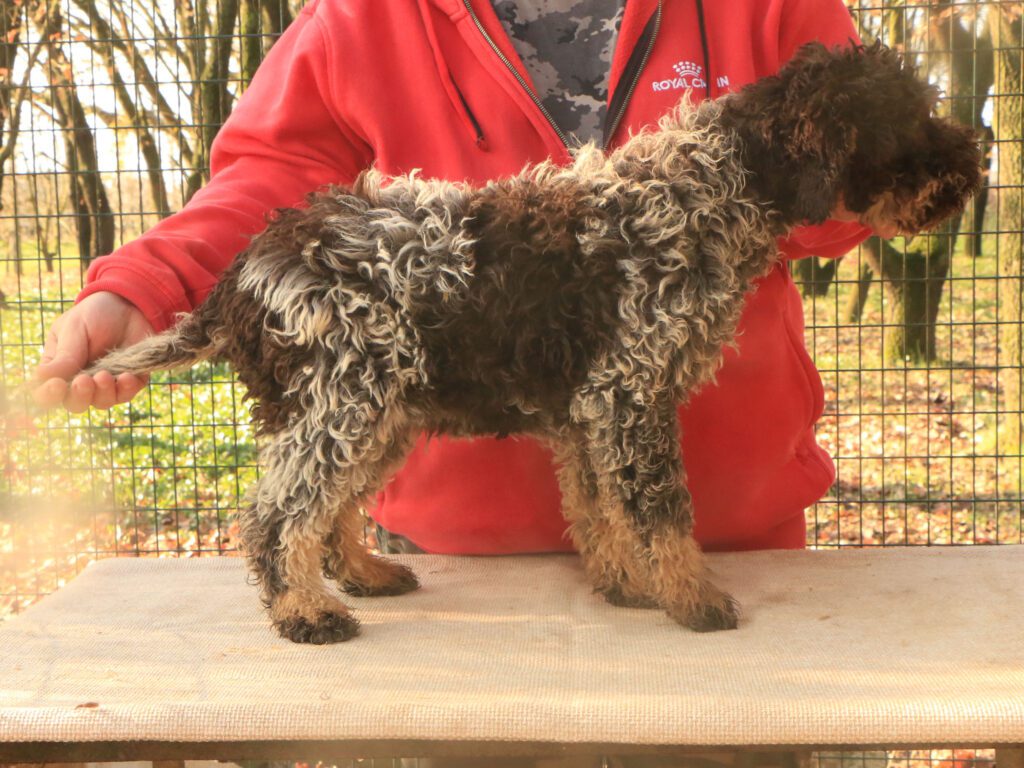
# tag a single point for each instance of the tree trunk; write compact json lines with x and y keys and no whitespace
{"x":151,"y":153}
{"x":193,"y":23}
{"x":261,"y":22}
{"x":93,"y":215}
{"x":913,"y":282}
{"x":10,"y":36}
{"x":1008,"y":126}
{"x":976,"y":211}
{"x":41,"y":219}
{"x":277,"y":16}
{"x":814,"y":275}
{"x":251,"y":48}
{"x":213,"y":99}
{"x":859,"y":295}
{"x":105,"y":44}
{"x":972,"y":73}
{"x":894,"y":23}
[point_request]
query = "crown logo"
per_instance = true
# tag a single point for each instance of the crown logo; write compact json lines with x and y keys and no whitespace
{"x":687,"y":69}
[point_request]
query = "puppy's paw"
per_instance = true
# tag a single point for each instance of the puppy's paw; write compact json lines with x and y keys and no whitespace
{"x":327,"y":627}
{"x":714,"y":610}
{"x":389,"y":580}
{"x":617,"y":597}
{"x":712,"y":617}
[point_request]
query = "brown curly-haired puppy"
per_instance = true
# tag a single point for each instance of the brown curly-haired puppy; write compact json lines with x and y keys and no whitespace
{"x":579,"y":304}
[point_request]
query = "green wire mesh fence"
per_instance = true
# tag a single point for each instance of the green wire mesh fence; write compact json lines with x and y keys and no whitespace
{"x":919,"y":342}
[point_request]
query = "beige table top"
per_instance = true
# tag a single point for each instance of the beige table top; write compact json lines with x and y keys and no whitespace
{"x":909,"y":646}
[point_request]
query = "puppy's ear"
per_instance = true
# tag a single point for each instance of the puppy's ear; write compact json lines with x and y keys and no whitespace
{"x":800,"y":128}
{"x":920,"y":168}
{"x":832,"y":101}
{"x":936,"y":176}
{"x":955,"y":163}
{"x":819,"y":158}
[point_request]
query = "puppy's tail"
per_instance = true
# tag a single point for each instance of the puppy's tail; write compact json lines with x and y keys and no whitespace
{"x":187,"y":343}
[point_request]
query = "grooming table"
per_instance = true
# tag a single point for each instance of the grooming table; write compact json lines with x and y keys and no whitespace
{"x":173,"y":658}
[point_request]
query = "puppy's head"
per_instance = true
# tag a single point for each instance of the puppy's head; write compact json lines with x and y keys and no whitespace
{"x":854,"y":128}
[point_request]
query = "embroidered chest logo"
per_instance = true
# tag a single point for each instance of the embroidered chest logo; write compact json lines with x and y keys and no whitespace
{"x":687,"y":75}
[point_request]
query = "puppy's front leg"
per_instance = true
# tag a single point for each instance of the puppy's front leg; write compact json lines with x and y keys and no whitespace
{"x":636,"y":534}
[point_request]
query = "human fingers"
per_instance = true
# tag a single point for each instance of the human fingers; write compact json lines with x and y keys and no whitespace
{"x":66,"y":350}
{"x":63,"y":356}
{"x":104,"y":394}
{"x":127,"y":385}
{"x":50,"y":393}
{"x":101,"y":391}
{"x":80,"y":394}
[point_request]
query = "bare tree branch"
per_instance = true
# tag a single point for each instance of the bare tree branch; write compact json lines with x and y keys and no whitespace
{"x":95,"y":219}
{"x":212,"y":99}
{"x":138,"y":118}
{"x":21,"y":96}
{"x":169,"y":119}
{"x":12,"y":100}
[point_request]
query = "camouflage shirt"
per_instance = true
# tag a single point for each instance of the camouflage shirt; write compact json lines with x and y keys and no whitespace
{"x":566,"y":46}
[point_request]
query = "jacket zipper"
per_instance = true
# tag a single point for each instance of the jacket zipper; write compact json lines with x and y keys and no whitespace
{"x":636,"y":78}
{"x":515,"y":73}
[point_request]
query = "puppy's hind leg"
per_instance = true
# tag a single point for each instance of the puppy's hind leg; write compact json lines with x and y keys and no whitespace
{"x":315,"y":468}
{"x":346,"y":559}
{"x":590,"y":529}
{"x":281,"y":533}
{"x":639,"y":548}
{"x":360,"y":573}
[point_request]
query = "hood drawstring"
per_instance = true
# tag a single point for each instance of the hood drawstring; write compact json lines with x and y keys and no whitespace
{"x":455,"y":96}
{"x":704,"y":48}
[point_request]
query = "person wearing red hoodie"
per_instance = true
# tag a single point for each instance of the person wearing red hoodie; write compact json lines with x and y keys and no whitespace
{"x":437,"y":86}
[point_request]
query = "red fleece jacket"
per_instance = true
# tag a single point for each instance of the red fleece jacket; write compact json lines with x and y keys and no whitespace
{"x":435,"y":85}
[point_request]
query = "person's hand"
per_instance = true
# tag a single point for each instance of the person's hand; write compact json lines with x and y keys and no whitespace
{"x":98,"y":323}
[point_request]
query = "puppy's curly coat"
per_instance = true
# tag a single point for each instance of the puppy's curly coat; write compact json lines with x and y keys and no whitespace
{"x":579,"y":304}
